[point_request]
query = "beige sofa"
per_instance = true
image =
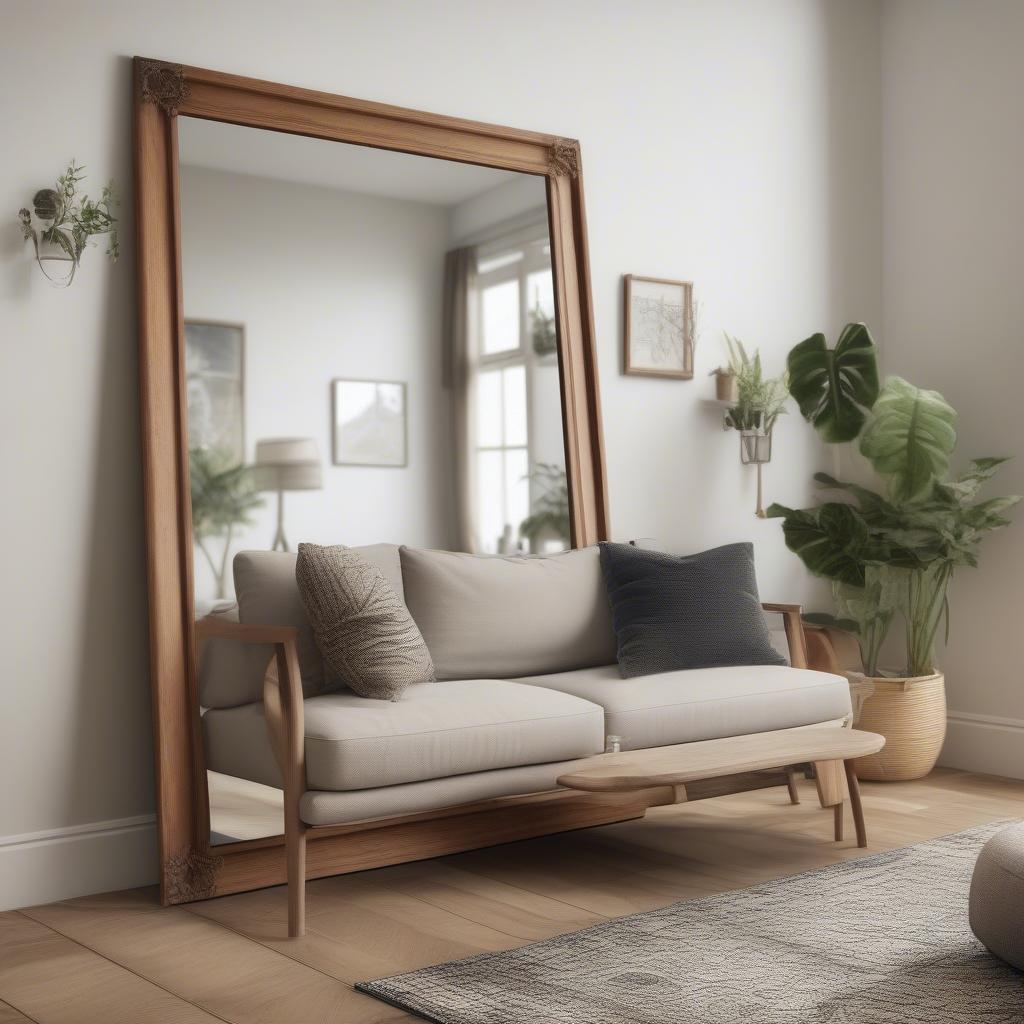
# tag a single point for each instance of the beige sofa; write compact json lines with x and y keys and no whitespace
{"x":527,"y":686}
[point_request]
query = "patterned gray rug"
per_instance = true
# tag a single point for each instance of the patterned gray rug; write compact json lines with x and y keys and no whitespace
{"x":880,"y":940}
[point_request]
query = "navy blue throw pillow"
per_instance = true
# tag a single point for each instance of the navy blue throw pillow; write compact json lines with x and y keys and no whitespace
{"x":691,"y":611}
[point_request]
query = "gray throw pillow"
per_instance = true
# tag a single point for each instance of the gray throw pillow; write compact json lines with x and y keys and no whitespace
{"x":674,"y":612}
{"x":365,"y":633}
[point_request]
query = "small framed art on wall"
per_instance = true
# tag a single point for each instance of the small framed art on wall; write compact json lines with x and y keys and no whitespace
{"x":659,"y":327}
{"x":369,"y":423}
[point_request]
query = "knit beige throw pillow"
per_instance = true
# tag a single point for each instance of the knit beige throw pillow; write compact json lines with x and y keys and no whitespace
{"x":365,"y":633}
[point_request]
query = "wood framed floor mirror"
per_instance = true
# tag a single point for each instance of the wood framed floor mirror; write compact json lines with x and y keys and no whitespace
{"x":297,"y":257}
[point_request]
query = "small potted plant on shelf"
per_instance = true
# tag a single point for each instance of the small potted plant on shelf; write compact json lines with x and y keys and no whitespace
{"x":892,"y":552}
{"x":725,"y":384}
{"x":758,"y":404}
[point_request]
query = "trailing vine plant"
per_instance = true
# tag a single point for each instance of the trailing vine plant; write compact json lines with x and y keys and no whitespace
{"x":65,"y":220}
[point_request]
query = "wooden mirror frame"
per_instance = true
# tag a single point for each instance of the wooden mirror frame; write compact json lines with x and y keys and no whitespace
{"x":189,"y":868}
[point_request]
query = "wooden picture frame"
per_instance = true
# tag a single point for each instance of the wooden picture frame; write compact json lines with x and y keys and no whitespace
{"x":189,"y":868}
{"x":660,"y":353}
{"x":239,"y":328}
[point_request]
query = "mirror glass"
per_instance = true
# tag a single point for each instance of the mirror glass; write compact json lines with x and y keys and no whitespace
{"x":370,"y":356}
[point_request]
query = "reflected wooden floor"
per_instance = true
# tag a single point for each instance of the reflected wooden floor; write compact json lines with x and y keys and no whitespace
{"x":120,"y":957}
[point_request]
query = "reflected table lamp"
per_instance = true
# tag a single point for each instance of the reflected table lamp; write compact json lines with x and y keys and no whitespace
{"x":287,"y":464}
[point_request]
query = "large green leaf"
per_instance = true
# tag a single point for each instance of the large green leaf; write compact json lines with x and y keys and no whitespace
{"x":909,"y":439}
{"x":829,"y":539}
{"x":988,"y":515}
{"x":835,"y":387}
{"x":874,"y":508}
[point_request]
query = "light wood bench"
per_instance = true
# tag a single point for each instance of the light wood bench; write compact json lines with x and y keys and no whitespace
{"x":830,"y":749}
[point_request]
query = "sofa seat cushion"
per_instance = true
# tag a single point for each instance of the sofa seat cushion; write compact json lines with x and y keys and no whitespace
{"x":434,"y":731}
{"x":333,"y":808}
{"x":705,"y":703}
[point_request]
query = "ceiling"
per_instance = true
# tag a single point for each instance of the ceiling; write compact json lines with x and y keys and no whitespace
{"x":234,"y":148}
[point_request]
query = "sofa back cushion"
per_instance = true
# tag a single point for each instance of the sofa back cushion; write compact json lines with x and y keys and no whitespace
{"x":231,"y":673}
{"x":503,"y":616}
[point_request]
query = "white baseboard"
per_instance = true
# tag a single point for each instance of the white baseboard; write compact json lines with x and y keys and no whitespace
{"x":41,"y":867}
{"x":984,"y":743}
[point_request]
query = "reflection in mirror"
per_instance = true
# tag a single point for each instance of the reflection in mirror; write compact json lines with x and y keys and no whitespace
{"x":370,"y":356}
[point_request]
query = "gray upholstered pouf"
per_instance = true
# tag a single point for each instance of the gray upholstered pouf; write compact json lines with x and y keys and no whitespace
{"x":997,"y":895}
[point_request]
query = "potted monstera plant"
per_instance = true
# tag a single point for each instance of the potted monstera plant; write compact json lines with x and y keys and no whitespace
{"x":891,"y":553}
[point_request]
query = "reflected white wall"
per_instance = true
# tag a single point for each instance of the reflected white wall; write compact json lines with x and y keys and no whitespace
{"x":328,"y":284}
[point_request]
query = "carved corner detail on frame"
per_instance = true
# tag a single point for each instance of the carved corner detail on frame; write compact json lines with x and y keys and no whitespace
{"x":564,"y":158}
{"x":191,"y":876}
{"x":163,"y":84}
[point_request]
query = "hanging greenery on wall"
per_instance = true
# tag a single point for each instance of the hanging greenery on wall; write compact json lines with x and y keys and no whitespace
{"x":62,"y":221}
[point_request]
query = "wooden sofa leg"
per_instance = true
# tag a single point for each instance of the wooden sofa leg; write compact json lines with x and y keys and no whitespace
{"x":295,"y":847}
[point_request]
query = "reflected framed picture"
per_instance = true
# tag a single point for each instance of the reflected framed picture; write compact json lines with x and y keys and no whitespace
{"x":215,"y":388}
{"x":659,"y":327}
{"x":369,"y":423}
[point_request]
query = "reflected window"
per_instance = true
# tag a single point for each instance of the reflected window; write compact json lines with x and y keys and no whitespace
{"x":515,"y":381}
{"x":500,"y":328}
{"x":503,"y":460}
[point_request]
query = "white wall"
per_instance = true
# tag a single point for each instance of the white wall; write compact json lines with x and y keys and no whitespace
{"x":508,"y":202}
{"x":730,"y":142}
{"x":953,"y":310}
{"x":328,"y":284}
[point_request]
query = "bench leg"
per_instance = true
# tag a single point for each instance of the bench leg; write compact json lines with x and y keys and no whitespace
{"x":828,"y":777}
{"x":858,"y":811}
{"x":794,"y":793}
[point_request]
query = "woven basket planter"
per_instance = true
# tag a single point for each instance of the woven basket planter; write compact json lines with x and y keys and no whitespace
{"x":911,"y":715}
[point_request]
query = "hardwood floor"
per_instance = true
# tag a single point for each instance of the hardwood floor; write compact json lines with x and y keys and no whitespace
{"x":120,"y":957}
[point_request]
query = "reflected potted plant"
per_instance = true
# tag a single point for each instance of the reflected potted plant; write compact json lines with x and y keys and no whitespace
{"x":549,"y":520}
{"x":542,"y":331}
{"x":892,"y":552}
{"x":223,"y":496}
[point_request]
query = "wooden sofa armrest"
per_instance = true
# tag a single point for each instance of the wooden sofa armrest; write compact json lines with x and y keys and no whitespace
{"x":794,"y":627}
{"x":282,"y":693}
{"x":284,"y":712}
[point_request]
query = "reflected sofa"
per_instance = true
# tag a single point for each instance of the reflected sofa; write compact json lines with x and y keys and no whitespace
{"x":527,"y":688}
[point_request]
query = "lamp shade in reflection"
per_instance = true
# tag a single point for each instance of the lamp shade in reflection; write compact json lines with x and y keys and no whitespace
{"x":287,"y":464}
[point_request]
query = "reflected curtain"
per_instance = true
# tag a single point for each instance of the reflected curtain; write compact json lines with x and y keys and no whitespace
{"x":458,"y":376}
